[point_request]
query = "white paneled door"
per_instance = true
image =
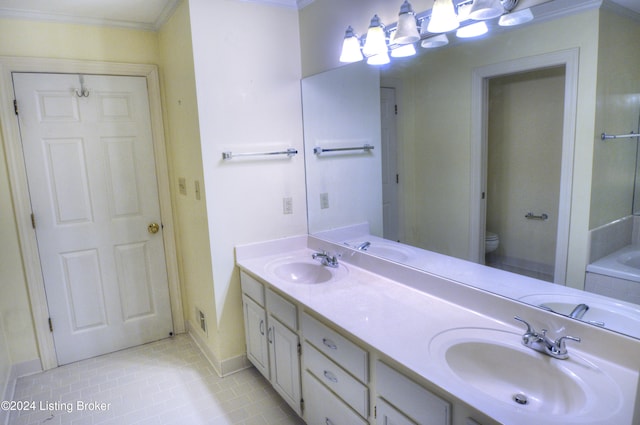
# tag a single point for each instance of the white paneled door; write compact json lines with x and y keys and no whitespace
{"x":90,"y":164}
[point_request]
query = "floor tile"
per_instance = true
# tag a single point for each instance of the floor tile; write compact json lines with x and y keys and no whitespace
{"x":167,"y":382}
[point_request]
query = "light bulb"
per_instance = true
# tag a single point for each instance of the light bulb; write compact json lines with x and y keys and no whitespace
{"x":379,"y":59}
{"x":350,"y":47}
{"x":375,"y":43}
{"x":443,"y":17}
{"x":473,"y":30}
{"x":403,"y":51}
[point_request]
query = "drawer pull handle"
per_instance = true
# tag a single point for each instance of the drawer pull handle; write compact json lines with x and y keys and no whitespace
{"x":330,"y":377}
{"x":261,"y":327}
{"x":330,"y":344}
{"x":270,"y":335}
{"x":328,"y":421}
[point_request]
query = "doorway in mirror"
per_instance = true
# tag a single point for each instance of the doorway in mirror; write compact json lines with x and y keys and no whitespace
{"x":523,"y":170}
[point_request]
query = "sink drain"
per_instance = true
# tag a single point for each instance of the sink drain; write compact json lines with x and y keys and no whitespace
{"x":520,"y":398}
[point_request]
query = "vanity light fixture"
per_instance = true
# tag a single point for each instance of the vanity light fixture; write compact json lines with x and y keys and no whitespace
{"x":515,"y":18}
{"x":435,"y":41}
{"x":474,"y":30}
{"x":407,"y":30}
{"x":350,"y":47}
{"x":379,"y":59}
{"x":403,"y":51}
{"x":485,"y":9}
{"x":443,"y":17}
{"x":430,"y":26}
{"x":375,"y":43}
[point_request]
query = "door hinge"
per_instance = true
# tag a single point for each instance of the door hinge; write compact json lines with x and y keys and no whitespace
{"x":50,"y":325}
{"x":33,"y":221}
{"x":299,"y":349}
{"x":397,"y":178}
{"x":395,"y":109}
{"x":15,"y":106}
{"x":302,"y":405}
{"x":375,"y":412}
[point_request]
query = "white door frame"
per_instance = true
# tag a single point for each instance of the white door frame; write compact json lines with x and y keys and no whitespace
{"x":20,"y":190}
{"x":479,"y":135}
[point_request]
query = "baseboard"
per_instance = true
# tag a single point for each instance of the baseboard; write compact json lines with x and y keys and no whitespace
{"x":17,"y":370}
{"x":222,"y":367}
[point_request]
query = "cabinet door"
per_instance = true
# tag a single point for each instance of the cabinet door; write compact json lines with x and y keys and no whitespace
{"x":387,"y":415}
{"x":285,"y":363}
{"x":255,"y":327}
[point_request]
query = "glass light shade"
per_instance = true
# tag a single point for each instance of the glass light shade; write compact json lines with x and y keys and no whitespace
{"x":463,"y":11}
{"x":435,"y":41}
{"x":486,"y":9}
{"x":350,"y":47}
{"x":403,"y":51}
{"x":515,"y":18}
{"x":407,"y":29}
{"x":443,"y":17}
{"x":375,"y":43}
{"x":473,"y":30}
{"x":379,"y":59}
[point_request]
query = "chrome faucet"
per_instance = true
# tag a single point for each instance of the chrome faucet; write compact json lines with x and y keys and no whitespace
{"x":325,"y":258}
{"x":539,"y":341}
{"x":579,"y":311}
{"x":363,"y":246}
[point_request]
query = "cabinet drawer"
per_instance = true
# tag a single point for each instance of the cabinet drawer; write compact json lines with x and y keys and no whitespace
{"x":322,"y":407}
{"x":335,"y":378}
{"x":411,"y":399}
{"x":253,"y":288}
{"x":284,"y":310}
{"x":387,"y":415}
{"x":344,"y":352}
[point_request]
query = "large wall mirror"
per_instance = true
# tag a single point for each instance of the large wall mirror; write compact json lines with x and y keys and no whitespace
{"x":486,"y":150}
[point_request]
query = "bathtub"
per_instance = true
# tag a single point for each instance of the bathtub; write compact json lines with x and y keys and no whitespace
{"x":623,"y":264}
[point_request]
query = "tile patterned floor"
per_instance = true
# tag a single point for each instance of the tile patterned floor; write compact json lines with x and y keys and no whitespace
{"x":162,"y":383}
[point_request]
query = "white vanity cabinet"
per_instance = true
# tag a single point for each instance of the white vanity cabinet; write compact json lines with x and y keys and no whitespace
{"x":335,"y":378}
{"x":272,"y":340}
{"x":401,"y":401}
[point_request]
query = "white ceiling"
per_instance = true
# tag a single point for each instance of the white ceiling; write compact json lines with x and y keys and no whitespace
{"x":142,"y":14}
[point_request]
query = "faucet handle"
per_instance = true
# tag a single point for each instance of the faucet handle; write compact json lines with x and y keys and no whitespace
{"x":530,"y":329}
{"x":560,"y":342}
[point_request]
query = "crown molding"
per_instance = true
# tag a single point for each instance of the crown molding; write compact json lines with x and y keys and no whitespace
{"x":32,"y":15}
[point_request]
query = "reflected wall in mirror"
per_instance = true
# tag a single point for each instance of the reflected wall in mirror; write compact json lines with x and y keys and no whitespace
{"x":437,"y":135}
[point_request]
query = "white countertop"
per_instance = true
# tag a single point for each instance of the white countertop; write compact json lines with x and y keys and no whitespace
{"x":400,"y":321}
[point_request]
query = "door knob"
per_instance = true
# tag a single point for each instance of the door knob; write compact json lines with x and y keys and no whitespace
{"x":153,"y":228}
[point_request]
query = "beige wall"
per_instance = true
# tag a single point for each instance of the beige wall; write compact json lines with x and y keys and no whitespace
{"x":618,"y":107}
{"x":183,"y":145}
{"x":49,"y":40}
{"x":439,"y":196}
{"x":248,"y":95}
{"x":247,"y":69}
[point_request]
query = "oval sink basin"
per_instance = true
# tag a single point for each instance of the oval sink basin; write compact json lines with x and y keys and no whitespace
{"x":495,"y":366}
{"x":303,"y":271}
